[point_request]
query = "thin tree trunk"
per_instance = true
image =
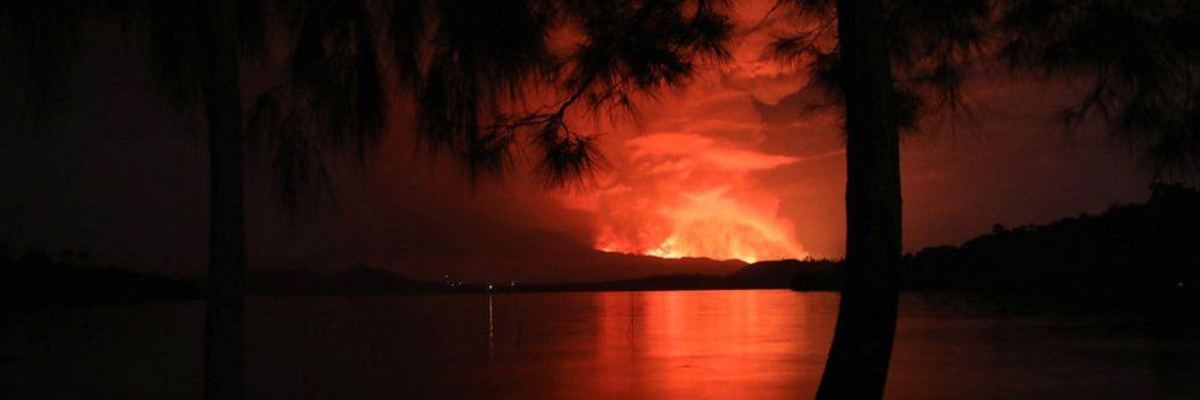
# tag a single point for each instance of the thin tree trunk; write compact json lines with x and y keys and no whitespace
{"x":224,"y":329}
{"x":862,"y":343}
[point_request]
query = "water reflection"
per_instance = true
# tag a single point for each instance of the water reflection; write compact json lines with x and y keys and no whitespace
{"x":491,"y":328}
{"x":726,"y":345}
{"x":721,"y":345}
{"x":638,"y":345}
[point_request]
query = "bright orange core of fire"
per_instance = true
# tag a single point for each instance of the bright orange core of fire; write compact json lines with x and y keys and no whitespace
{"x":687,"y":195}
{"x":712,"y":224}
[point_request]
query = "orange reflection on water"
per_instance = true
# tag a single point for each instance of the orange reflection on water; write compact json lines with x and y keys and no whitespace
{"x":705,"y":345}
{"x":590,"y":346}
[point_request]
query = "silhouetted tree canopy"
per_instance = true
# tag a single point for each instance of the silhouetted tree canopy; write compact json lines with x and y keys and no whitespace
{"x":1140,"y":60}
{"x":476,"y":71}
{"x":932,"y":43}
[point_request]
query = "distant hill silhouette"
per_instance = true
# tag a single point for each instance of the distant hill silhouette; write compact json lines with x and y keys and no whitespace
{"x":1150,"y":250}
{"x":362,"y":279}
{"x":1151,"y":247}
{"x":39,"y":279}
{"x":818,"y":273}
{"x":358,"y":279}
{"x":760,"y":275}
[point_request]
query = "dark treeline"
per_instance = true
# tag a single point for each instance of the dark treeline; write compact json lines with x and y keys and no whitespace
{"x":1145,"y":251}
{"x":759,"y":275}
{"x":1136,"y":249}
{"x":38,"y":278}
{"x":358,"y":279}
{"x":1149,"y":247}
{"x":1141,"y":248}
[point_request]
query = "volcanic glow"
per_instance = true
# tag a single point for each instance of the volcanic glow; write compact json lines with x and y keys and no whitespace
{"x":685,"y":195}
{"x":690,"y":183}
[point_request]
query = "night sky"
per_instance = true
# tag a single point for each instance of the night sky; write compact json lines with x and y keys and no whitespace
{"x":725,"y":168}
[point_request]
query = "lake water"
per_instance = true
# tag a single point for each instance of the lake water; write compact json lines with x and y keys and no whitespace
{"x":727,"y":345}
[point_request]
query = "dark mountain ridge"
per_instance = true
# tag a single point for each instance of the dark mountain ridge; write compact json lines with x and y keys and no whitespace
{"x":1150,"y":247}
{"x":1150,"y":250}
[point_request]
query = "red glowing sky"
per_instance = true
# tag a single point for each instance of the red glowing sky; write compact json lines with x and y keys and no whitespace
{"x":724,"y":168}
{"x":727,"y":168}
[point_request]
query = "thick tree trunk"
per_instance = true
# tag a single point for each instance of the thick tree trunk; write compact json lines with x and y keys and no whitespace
{"x":862,"y":343}
{"x":224,"y":328}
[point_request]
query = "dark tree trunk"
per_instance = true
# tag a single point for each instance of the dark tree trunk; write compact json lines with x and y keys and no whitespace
{"x":224,"y":328}
{"x":862,"y":342}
